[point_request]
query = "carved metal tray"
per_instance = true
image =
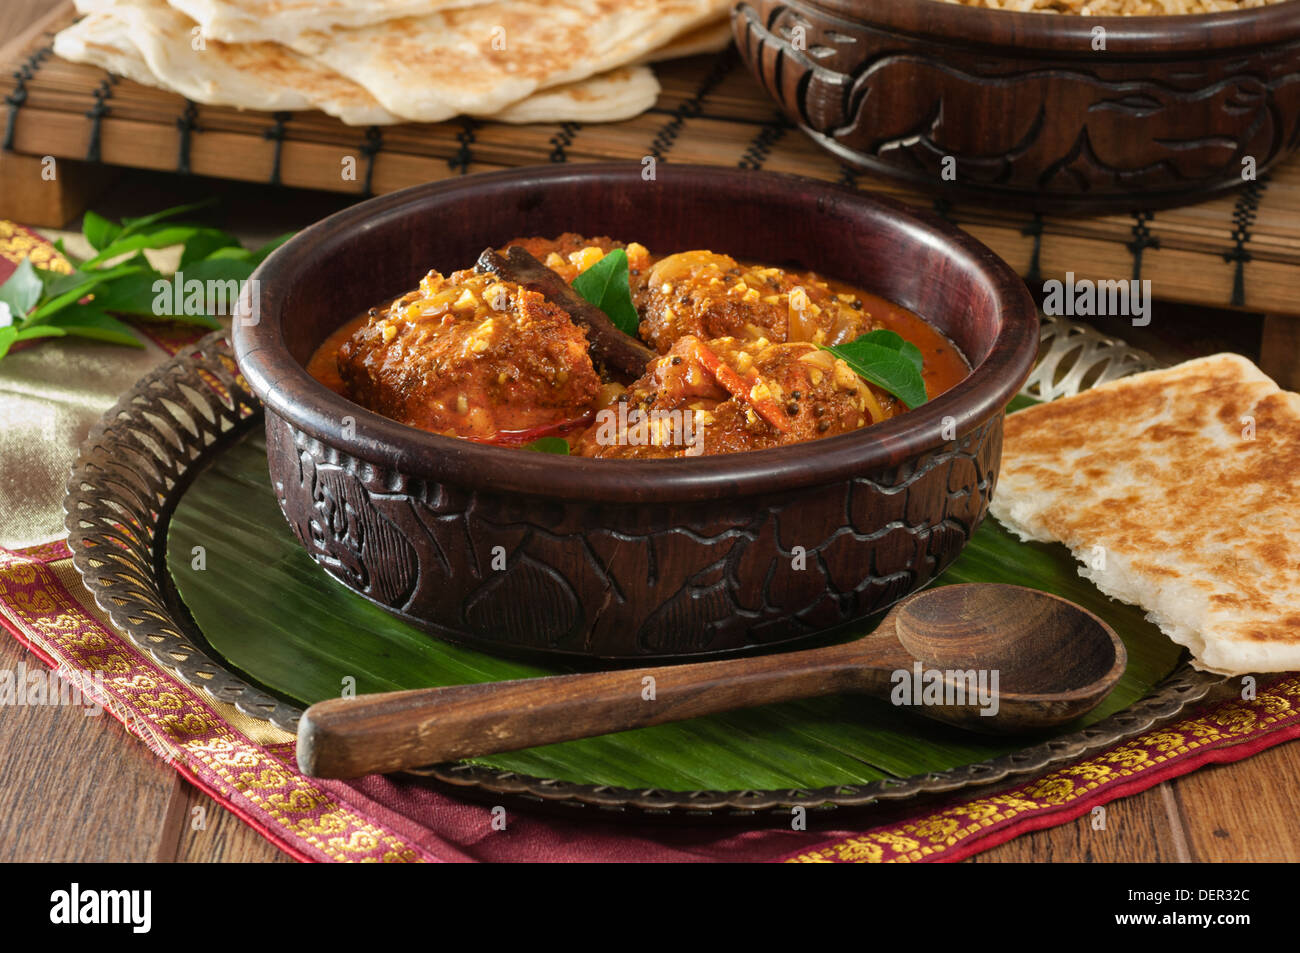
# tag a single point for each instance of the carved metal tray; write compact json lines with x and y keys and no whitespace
{"x":136,"y":464}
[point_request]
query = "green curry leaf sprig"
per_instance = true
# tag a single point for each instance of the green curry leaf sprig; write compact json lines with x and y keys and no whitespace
{"x":606,"y":285}
{"x":119,"y":280}
{"x":885,"y":359}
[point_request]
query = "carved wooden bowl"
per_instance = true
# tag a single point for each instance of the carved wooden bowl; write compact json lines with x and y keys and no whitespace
{"x":1023,"y":107}
{"x":635,"y":559}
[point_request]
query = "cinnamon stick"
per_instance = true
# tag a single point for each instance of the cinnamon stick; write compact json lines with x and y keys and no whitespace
{"x":618,"y":350}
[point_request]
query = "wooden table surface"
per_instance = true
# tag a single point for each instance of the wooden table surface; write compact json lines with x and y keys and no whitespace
{"x":75,"y":788}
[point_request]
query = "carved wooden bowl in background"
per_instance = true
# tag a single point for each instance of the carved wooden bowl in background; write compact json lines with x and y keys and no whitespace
{"x":1024,"y":105}
{"x":632,"y":558}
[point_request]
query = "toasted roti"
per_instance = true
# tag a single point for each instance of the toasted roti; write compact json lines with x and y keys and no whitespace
{"x":103,"y":40}
{"x":147,"y":41}
{"x":710,"y":38}
{"x":129,"y":36}
{"x":479,"y":60}
{"x":247,"y":21}
{"x":619,"y":94}
{"x":1179,"y":490}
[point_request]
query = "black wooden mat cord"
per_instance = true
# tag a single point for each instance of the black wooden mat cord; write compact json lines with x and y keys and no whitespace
{"x":96,"y":113}
{"x":19,"y":96}
{"x":187,"y":126}
{"x":691,"y":108}
{"x":464,"y":156}
{"x":562,"y":140}
{"x":276,"y":134}
{"x":1142,"y":240}
{"x":760,"y":147}
{"x":1243,"y":217}
{"x":370,"y":147}
{"x":1034,"y":276}
{"x":943,"y":208}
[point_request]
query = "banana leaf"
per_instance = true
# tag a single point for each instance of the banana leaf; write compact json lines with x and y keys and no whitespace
{"x":275,"y":616}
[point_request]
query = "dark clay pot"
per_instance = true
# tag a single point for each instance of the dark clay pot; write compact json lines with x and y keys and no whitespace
{"x":633,"y":559}
{"x":1025,"y":107}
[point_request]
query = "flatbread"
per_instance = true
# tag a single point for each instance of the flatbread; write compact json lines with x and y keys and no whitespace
{"x":619,"y":94}
{"x":245,"y":21}
{"x":266,"y":76}
{"x":1188,"y":479}
{"x":481,"y":59}
{"x":710,"y":38}
{"x":103,"y":40}
{"x":106,"y":38}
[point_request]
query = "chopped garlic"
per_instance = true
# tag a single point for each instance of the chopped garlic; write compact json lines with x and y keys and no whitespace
{"x":584,"y":258}
{"x":844,"y":376}
{"x":431,"y":283}
{"x":497,"y":296}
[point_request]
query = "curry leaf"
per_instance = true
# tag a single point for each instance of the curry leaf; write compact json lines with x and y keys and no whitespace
{"x":22,"y":290}
{"x":99,"y":231}
{"x":605,"y":284}
{"x":887,"y":360}
{"x":87,"y":322}
{"x":41,"y":303}
{"x":78,"y":285}
{"x":10,"y":335}
{"x":205,"y":242}
{"x":557,"y":445}
{"x":132,"y":225}
{"x":162,"y":238}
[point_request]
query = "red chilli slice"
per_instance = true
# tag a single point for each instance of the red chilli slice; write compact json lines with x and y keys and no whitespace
{"x":740,"y":387}
{"x":517,"y":438}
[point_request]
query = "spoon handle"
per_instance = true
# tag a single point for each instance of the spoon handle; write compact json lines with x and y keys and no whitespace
{"x":349,"y":737}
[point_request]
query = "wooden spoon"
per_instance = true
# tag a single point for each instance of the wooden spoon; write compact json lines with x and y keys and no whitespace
{"x":1053,"y":661}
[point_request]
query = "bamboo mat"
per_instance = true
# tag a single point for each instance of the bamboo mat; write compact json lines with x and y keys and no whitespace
{"x":1240,"y":250}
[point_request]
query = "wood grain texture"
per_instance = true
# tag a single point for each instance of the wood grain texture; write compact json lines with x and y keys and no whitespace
{"x":1057,"y":661}
{"x":1243,"y":811}
{"x":1279,"y":349}
{"x":1025,"y":108}
{"x":202,"y":831}
{"x":1137,"y":829}
{"x":73,"y":786}
{"x":31,"y":197}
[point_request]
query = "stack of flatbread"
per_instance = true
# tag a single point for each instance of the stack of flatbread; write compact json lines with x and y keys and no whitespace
{"x":377,"y":62}
{"x":1179,"y":490}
